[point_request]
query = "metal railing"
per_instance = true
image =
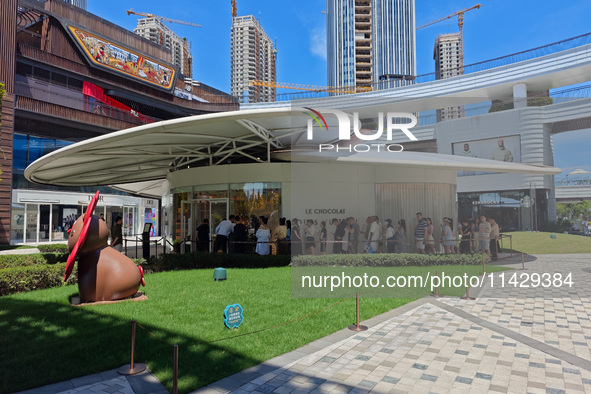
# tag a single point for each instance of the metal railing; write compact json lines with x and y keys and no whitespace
{"x":516,"y":57}
{"x":285,"y":247}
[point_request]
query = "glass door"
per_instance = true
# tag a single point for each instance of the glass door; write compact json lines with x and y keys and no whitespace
{"x":187,"y":226}
{"x":45,"y":222}
{"x":218,"y":211}
{"x":128,"y":221}
{"x":194,"y":213}
{"x":31,"y":223}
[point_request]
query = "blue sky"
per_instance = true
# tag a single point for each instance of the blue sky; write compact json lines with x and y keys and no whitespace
{"x":498,"y":28}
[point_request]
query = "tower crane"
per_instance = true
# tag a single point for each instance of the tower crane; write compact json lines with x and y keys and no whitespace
{"x":162,"y":18}
{"x":460,"y":15}
{"x":234,"y":9}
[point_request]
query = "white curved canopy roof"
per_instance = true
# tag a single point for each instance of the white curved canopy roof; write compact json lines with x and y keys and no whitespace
{"x":145,"y":154}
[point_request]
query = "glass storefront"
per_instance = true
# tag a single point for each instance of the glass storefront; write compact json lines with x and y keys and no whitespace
{"x":192,"y":205}
{"x":512,"y":210}
{"x":39,"y":217}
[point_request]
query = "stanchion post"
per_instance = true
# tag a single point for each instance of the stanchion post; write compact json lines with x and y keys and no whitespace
{"x":132,"y":368}
{"x":357,"y":326}
{"x":522,"y":262}
{"x":467,"y":296}
{"x":175,"y":369}
{"x":483,"y":266}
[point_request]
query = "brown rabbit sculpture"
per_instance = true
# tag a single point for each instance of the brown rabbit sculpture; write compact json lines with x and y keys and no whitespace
{"x":104,"y":274}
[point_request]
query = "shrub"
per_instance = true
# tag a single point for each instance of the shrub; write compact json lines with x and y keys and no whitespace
{"x":53,"y":248}
{"x":22,"y":260}
{"x":35,"y":277}
{"x":196,"y":260}
{"x":387,"y":260}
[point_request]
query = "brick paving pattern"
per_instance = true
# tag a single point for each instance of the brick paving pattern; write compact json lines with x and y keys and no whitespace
{"x":509,"y":340}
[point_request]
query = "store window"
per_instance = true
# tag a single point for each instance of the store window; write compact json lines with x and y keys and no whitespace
{"x":256,"y":198}
{"x":512,"y":210}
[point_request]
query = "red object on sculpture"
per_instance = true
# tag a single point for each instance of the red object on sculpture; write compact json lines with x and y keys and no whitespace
{"x":104,"y":274}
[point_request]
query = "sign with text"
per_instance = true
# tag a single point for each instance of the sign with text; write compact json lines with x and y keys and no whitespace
{"x":233,"y":316}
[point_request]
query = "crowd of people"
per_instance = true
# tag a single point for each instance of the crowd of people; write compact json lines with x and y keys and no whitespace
{"x":346,"y":236}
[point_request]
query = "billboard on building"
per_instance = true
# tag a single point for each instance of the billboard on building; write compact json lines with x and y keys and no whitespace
{"x":506,"y":149}
{"x":105,"y":54}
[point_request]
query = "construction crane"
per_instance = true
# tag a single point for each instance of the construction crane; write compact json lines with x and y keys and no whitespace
{"x":162,"y":18}
{"x":460,"y":15}
{"x":234,"y":9}
{"x":311,"y":88}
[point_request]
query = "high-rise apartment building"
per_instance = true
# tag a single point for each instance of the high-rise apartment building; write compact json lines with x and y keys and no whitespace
{"x":253,"y":57}
{"x":156,"y":31}
{"x":371,"y":43}
{"x":448,"y":63}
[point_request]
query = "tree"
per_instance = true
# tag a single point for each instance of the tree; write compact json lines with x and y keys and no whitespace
{"x":2,"y":93}
{"x":573,"y":210}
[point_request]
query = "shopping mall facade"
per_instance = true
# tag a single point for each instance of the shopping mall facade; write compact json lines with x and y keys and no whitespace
{"x":192,"y":156}
{"x":69,"y":76}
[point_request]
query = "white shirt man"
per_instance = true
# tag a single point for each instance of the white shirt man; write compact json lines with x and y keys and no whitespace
{"x":222,"y":231}
{"x":375,"y":234}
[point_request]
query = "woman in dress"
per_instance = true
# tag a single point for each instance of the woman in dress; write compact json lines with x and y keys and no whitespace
{"x":447,"y":236}
{"x":390,"y":237}
{"x":401,"y":237}
{"x":280,"y":236}
{"x":263,"y":235}
{"x":429,"y":240}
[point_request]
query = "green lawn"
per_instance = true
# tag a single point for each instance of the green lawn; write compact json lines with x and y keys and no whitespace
{"x":541,"y":243}
{"x":45,"y":340}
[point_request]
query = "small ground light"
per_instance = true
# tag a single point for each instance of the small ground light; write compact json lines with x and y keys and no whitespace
{"x":219,"y":274}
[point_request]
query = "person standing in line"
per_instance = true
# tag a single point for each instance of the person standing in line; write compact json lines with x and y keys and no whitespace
{"x":447,"y":236}
{"x":240,"y":235}
{"x":263,"y":235}
{"x":117,"y":234}
{"x":222,"y":231}
{"x":374,"y":236}
{"x":353,"y":235}
{"x":309,"y":231}
{"x":390,"y":237}
{"x":280,"y":236}
{"x":420,"y":232}
{"x":401,"y":236}
{"x":494,"y":236}
{"x":339,"y":233}
{"x":466,"y":235}
{"x":288,"y":235}
{"x":585,"y":225}
{"x":323,"y":238}
{"x":382,"y":238}
{"x":484,"y":236}
{"x":296,"y":238}
{"x":429,"y":239}
{"x":475,"y":237}
{"x":202,"y":233}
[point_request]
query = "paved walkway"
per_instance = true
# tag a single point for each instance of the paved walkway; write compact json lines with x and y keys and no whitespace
{"x":509,"y":340}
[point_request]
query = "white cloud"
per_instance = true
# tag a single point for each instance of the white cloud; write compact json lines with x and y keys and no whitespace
{"x":318,"y":42}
